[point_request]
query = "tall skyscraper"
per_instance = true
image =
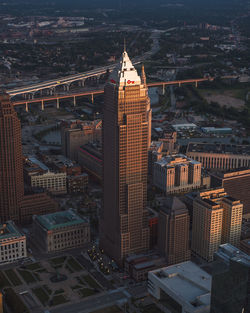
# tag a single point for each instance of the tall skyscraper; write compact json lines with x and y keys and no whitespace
{"x":11,"y":162}
{"x":124,"y":226}
{"x":14,"y":204}
{"x":217,"y":219}
{"x":173,"y":232}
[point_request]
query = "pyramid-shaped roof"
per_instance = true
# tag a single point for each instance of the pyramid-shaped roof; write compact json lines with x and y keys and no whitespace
{"x":173,"y":205}
{"x":125,"y":73}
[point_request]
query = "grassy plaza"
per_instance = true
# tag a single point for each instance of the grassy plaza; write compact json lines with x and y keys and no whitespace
{"x":35,"y":281}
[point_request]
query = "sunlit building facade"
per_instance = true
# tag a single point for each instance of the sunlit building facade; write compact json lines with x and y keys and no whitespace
{"x":124,"y":224}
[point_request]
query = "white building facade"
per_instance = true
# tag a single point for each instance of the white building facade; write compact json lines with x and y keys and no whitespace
{"x":12,"y":243}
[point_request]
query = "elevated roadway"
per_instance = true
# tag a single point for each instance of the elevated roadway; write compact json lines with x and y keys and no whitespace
{"x":93,"y":93}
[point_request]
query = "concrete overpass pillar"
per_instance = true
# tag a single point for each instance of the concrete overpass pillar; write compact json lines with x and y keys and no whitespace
{"x":92,"y":98}
{"x":74,"y":101}
{"x":66,"y":87}
{"x":196,"y":84}
{"x":26,"y":107}
{"x":58,"y":103}
{"x":179,"y":84}
{"x":81,"y":83}
{"x":42,"y":105}
{"x":163,"y":89}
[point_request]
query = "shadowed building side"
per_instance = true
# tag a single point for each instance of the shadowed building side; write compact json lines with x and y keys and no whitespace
{"x":11,"y":161}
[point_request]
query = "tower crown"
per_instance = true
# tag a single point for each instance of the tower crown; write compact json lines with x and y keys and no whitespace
{"x":125,"y":73}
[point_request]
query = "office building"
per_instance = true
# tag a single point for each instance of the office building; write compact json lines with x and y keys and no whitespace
{"x":173,"y":232}
{"x":11,"y":162}
{"x":217,"y":219}
{"x":181,"y":288}
{"x":60,"y":231}
{"x":230,"y":281}
{"x":169,"y":139}
{"x":219,"y":156}
{"x":77,"y":184}
{"x":12,"y":243}
{"x":176,"y":174}
{"x":15,"y":205}
{"x":90,"y":159}
{"x":153,"y":219}
{"x":236,"y":183}
{"x":77,"y":133}
{"x":124,"y":224}
{"x":37,"y":174}
{"x":139,"y":265}
{"x":36,"y":202}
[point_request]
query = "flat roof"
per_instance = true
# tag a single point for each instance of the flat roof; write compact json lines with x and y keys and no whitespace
{"x":176,"y":160}
{"x":188,"y":281}
{"x":34,"y":160}
{"x":218,"y":148}
{"x":227,"y":252}
{"x":60,"y":219}
{"x":8,"y":231}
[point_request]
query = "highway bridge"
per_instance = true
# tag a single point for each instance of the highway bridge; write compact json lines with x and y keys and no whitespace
{"x":92,"y":93}
{"x":63,"y":81}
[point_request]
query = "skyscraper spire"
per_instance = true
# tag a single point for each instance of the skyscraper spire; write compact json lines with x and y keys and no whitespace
{"x":124,"y":50}
{"x":143,"y":76}
{"x":125,"y":73}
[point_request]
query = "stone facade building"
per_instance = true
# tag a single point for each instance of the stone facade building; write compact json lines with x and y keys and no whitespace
{"x":60,"y":231}
{"x":177,"y":173}
{"x":12,"y":243}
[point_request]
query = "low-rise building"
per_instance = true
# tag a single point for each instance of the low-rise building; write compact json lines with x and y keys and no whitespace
{"x":138,"y":265}
{"x":219,"y":156}
{"x":12,"y":243}
{"x":60,"y":231}
{"x":36,"y":202}
{"x":177,"y":173}
{"x":77,"y":184}
{"x":37,"y":174}
{"x":182,"y":288}
{"x":53,"y":182}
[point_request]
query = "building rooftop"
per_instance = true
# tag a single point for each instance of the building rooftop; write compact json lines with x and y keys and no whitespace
{"x":188,"y":281}
{"x":34,"y":160}
{"x":9,"y":231}
{"x":227,"y":252}
{"x":60,"y":219}
{"x":218,"y":148}
{"x":92,"y":150}
{"x":174,"y":160}
{"x":173,"y":205}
